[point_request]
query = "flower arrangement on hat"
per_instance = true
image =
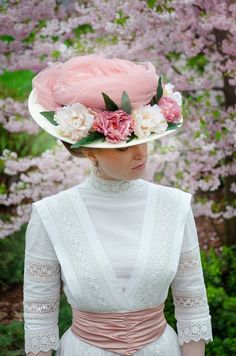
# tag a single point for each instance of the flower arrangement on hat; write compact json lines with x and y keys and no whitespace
{"x":119,"y":124}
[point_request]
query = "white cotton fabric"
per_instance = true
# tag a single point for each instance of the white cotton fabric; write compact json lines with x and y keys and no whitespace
{"x":114,"y":245}
{"x":120,"y":210}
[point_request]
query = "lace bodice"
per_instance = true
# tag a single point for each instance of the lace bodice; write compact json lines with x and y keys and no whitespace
{"x":166,"y":254}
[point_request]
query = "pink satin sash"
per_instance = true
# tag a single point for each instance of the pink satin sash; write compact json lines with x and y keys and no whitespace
{"x":120,"y":332}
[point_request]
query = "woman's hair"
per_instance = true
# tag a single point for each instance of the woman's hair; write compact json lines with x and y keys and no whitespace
{"x":76,"y":152}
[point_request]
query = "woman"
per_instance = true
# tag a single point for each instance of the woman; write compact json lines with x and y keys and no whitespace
{"x":116,"y":241}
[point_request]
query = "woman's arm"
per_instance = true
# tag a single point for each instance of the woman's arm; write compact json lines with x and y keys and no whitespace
{"x":41,"y":288}
{"x":189,"y":295}
{"x":41,"y":353}
{"x":193,"y":348}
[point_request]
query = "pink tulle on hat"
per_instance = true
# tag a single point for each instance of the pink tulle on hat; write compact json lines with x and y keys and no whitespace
{"x":83,"y":79}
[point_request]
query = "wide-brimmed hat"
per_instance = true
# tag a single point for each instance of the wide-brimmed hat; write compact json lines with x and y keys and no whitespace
{"x":98,"y":102}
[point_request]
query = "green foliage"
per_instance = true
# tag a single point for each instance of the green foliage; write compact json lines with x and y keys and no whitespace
{"x":93,"y":136}
{"x":82,"y":30}
{"x":151,"y":3}
{"x":12,"y":258}
{"x":25,"y":144}
{"x":121,"y":18}
{"x":12,"y":339}
{"x":169,"y":311}
{"x":125,"y":103}
{"x":164,"y":6}
{"x":16,"y":84}
{"x":173,"y":56}
{"x":159,"y":90}
{"x":76,"y":41}
{"x":221,"y":347}
{"x":65,"y":315}
{"x":158,"y":176}
{"x":56,"y":54}
{"x":172,"y":126}
{"x":108,"y":40}
{"x":110,"y":104}
{"x":50,"y":116}
{"x":220,"y":269}
{"x":220,"y":278}
{"x":198,"y":62}
{"x":30,"y":38}
{"x":7,"y":38}
{"x":159,"y":93}
{"x":131,"y":137}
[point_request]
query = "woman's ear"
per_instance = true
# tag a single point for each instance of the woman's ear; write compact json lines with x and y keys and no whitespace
{"x":90,"y":153}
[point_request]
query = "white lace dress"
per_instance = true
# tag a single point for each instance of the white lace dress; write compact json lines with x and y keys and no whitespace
{"x":115,"y":246}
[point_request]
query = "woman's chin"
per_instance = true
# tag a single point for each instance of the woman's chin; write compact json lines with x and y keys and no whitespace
{"x":138,"y":172}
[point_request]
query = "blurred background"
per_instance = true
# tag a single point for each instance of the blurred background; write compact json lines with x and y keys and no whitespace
{"x":193,"y":45}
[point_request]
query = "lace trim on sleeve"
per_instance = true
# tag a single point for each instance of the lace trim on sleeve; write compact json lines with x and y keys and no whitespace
{"x":188,"y":301}
{"x":45,"y":340}
{"x":41,"y":307}
{"x":194,"y":330}
{"x":41,"y":270}
{"x":189,"y":263}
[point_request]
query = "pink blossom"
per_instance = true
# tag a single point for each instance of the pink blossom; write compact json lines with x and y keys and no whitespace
{"x":115,"y":125}
{"x":193,"y":160}
{"x":170,"y":109}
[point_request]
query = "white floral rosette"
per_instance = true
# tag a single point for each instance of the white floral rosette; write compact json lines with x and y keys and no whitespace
{"x":148,"y":119}
{"x":74,"y":121}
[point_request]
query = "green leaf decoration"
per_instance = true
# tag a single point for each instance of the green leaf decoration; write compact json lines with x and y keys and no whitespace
{"x":159,"y":90}
{"x":131,"y":137}
{"x":93,"y":136}
{"x":110,"y":104}
{"x":50,"y":116}
{"x":125,"y":103}
{"x":172,"y":126}
{"x":153,"y":101}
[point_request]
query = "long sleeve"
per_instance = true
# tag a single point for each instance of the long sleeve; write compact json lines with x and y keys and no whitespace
{"x":41,"y":289}
{"x":188,"y":290}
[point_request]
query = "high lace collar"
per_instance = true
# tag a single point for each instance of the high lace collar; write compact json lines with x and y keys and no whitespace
{"x":110,"y":187}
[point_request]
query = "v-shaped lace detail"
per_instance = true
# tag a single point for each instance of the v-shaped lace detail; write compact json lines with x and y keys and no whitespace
{"x":99,"y":252}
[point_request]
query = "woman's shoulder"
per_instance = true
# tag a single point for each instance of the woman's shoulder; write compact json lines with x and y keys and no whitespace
{"x":54,"y":196}
{"x":172,"y":191}
{"x":177,"y":200}
{"x":176,"y":197}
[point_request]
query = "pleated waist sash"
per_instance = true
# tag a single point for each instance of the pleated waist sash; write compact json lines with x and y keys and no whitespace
{"x":120,"y":332}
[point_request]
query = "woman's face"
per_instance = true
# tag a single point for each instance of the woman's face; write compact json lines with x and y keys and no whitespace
{"x":119,"y":163}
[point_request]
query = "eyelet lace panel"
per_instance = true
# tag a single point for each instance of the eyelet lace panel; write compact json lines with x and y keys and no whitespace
{"x":189,"y":262}
{"x":195,"y":330}
{"x":97,"y":295}
{"x":156,"y":275}
{"x":41,"y":307}
{"x":42,"y":340}
{"x":41,"y":270}
{"x":187,"y":301}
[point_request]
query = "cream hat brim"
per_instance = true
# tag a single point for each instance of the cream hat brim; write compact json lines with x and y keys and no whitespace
{"x":35,"y":108}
